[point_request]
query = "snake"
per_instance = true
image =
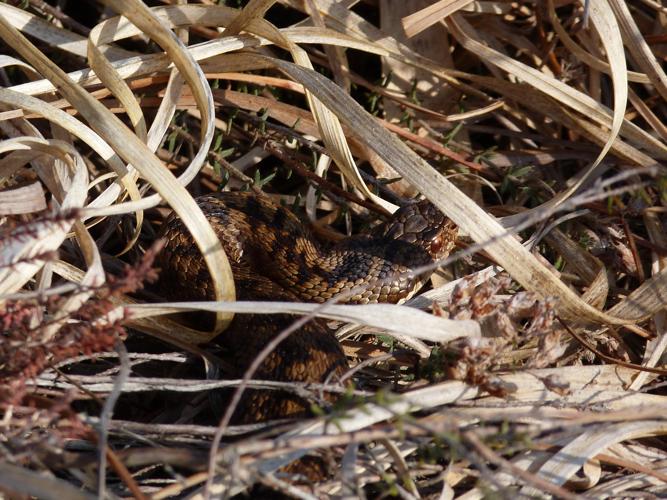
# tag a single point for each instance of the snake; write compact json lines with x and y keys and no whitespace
{"x":275,"y":257}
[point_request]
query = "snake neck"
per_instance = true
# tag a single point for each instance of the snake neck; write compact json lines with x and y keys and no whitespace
{"x":378,"y":267}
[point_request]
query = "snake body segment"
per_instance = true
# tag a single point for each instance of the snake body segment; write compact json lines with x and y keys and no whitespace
{"x":273,"y":257}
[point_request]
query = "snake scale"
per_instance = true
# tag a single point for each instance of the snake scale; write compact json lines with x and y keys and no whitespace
{"x":274,"y":257}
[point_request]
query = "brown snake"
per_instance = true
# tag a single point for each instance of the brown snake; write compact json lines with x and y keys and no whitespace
{"x":273,"y":257}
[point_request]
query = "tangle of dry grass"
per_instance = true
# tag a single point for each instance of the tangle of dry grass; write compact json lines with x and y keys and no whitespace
{"x":533,"y":366}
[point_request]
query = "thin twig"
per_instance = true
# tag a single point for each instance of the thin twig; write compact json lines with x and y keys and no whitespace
{"x":532,"y":479}
{"x":610,"y":359}
{"x":106,"y":414}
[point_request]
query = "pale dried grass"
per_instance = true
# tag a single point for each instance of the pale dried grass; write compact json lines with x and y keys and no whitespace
{"x":549,"y":417}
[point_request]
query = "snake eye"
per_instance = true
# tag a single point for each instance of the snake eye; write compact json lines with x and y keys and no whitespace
{"x":437,"y":244}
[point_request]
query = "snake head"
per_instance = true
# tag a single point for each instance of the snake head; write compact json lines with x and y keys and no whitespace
{"x":424,"y":225}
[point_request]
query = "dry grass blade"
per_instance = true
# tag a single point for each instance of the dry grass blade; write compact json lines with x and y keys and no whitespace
{"x":582,"y":54}
{"x":655,"y":349}
{"x":45,"y":31}
{"x":572,"y":457}
{"x":394,"y":319}
{"x":639,"y":48}
{"x":79,"y":130}
{"x":419,"y":21}
{"x":22,"y":481}
{"x":18,"y":263}
{"x":23,"y":200}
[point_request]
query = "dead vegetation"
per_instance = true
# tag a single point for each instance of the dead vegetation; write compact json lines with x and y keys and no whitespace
{"x":534,"y":364}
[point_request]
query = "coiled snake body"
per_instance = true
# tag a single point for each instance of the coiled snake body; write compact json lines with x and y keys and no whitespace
{"x":273,"y":257}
